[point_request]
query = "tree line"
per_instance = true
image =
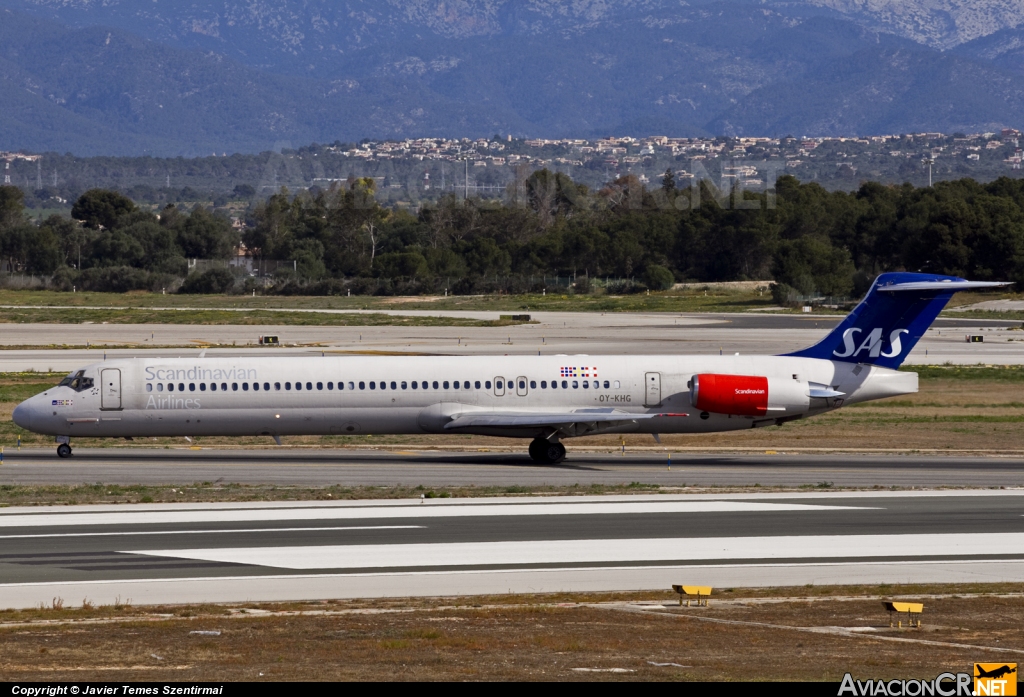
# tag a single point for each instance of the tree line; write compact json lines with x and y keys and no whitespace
{"x":808,"y":240}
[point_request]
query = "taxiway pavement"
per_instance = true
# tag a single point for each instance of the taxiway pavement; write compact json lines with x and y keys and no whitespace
{"x":556,"y":333}
{"x":502,"y":468}
{"x":192,"y":553}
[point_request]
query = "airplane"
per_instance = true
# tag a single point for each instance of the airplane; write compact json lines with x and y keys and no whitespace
{"x":546,"y":399}
{"x":994,"y":673}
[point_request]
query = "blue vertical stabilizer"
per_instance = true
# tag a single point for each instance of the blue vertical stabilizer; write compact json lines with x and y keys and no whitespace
{"x":891,"y":319}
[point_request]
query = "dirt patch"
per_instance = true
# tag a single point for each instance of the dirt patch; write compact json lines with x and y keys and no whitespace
{"x":776,"y":634}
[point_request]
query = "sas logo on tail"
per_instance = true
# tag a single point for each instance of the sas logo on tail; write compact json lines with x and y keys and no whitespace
{"x":872,"y":343}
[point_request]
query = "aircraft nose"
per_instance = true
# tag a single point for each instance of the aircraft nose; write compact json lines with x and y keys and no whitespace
{"x":24,"y":415}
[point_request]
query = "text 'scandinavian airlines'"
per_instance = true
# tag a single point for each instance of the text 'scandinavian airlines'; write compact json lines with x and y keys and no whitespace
{"x":544,"y":398}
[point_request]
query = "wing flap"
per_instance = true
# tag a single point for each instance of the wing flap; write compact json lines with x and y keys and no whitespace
{"x":554,"y":420}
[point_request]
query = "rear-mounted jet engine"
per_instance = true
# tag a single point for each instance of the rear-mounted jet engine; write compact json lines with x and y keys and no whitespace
{"x":748,"y":395}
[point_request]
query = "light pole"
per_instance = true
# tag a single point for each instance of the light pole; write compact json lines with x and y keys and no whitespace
{"x":929,"y":161}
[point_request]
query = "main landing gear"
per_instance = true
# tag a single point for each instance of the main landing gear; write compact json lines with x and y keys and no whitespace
{"x":546,"y":452}
{"x":63,"y":450}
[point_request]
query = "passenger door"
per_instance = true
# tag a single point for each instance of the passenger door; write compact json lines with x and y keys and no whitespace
{"x":652,"y":397}
{"x":110,"y":388}
{"x":521,"y":387}
{"x":499,"y":387}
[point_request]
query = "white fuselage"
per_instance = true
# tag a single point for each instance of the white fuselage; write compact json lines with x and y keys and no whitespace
{"x":349,"y":395}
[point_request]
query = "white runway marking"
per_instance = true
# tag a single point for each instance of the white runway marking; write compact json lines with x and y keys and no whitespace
{"x":209,"y":532}
{"x":404,"y":511}
{"x":598,"y":551}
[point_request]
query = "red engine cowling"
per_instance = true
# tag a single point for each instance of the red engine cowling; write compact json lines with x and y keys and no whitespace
{"x":740,"y":395}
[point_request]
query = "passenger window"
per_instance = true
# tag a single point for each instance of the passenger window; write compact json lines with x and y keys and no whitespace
{"x":455,"y":385}
{"x":606,"y":384}
{"x":319,"y":386}
{"x":435,"y":384}
{"x":522,"y":384}
{"x":499,"y":385}
{"x":362,"y":385}
{"x":298,"y":385}
{"x":352,"y":386}
{"x":181,"y":387}
{"x":533,"y":384}
{"x":149,"y":387}
{"x":476,"y":384}
{"x":586,"y":384}
{"x":287,"y":386}
{"x":202,"y":387}
{"x":404,"y":385}
{"x":213,"y":387}
{"x":383,"y":385}
{"x":170,"y":387}
{"x":414,"y":384}
{"x":373,"y":385}
{"x":245,"y":387}
{"x":446,"y":384}
{"x":266,"y":386}
{"x":565,"y":385}
{"x":575,"y":384}
{"x":309,"y":385}
{"x":159,"y":387}
{"x":224,"y":387}
{"x":330,"y":385}
{"x":543,"y":384}
{"x":256,"y":386}
{"x":465,"y":385}
{"x":394,"y":386}
{"x":191,"y":387}
{"x":616,"y":384}
{"x":487,"y":384}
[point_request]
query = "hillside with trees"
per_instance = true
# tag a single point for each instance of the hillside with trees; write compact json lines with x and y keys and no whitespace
{"x":104,"y":80}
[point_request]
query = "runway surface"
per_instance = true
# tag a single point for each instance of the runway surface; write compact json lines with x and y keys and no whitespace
{"x":290,"y":551}
{"x":556,"y":333}
{"x":309,"y":467}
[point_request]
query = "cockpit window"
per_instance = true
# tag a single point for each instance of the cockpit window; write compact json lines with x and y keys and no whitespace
{"x":77,"y":381}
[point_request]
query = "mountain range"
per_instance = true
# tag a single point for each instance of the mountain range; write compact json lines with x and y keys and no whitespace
{"x":173,"y":77}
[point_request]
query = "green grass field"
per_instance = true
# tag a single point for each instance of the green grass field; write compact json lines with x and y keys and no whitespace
{"x":133,"y":315}
{"x":692,"y":299}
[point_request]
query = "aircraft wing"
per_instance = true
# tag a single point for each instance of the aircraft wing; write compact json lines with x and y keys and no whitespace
{"x":570,"y":422}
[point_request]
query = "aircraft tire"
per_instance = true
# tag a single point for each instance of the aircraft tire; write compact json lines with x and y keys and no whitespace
{"x":537,"y":449}
{"x":554,"y":453}
{"x":545,"y":452}
{"x":63,"y":450}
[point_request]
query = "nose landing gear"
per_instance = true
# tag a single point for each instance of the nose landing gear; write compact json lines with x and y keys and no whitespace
{"x":546,"y":452}
{"x":63,"y":450}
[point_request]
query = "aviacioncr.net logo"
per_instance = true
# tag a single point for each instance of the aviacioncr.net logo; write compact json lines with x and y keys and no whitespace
{"x":944,"y":685}
{"x":872,"y":343}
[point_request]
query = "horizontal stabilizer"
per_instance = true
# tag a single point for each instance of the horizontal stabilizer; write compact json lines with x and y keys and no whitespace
{"x":942,"y":286}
